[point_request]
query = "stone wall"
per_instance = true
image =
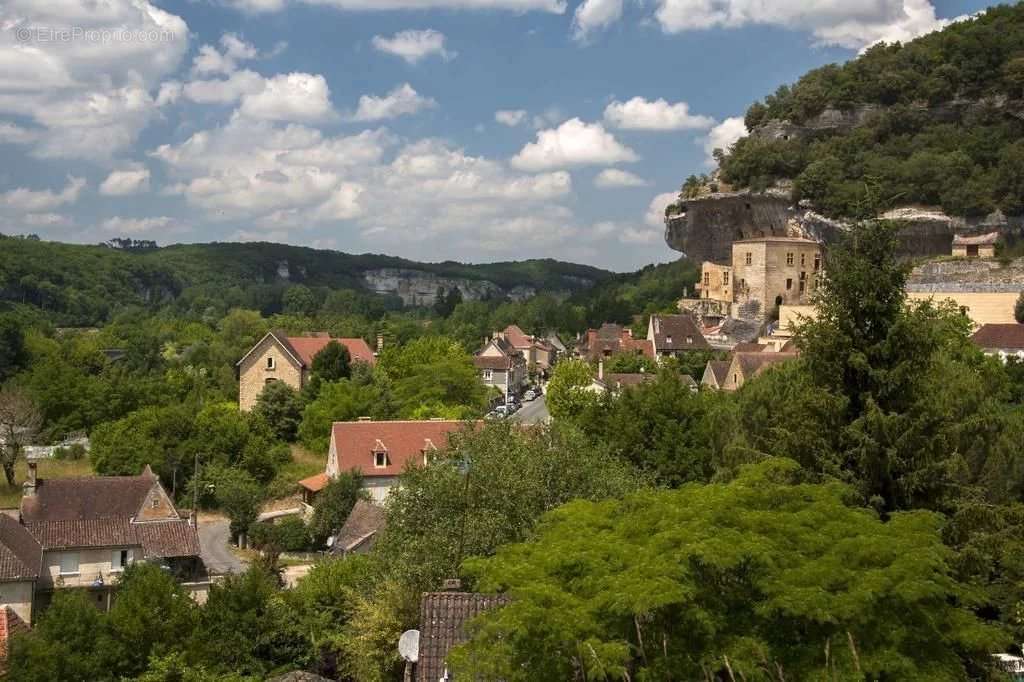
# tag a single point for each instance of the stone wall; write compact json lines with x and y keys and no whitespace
{"x":253,"y":373}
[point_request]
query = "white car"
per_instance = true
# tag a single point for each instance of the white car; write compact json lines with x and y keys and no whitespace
{"x":529,"y":395}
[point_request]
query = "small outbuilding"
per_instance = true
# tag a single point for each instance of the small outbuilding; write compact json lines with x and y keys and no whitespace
{"x":978,"y":246}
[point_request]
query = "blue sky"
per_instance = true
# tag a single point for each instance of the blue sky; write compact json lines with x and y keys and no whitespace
{"x":473,"y":130}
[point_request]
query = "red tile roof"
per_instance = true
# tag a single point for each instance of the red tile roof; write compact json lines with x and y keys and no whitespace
{"x":315,"y":483}
{"x":443,"y":616}
{"x":10,"y":623}
{"x":404,"y":442}
{"x":517,"y":337}
{"x":1000,"y":336}
{"x":20,"y":554}
{"x":306,"y":348}
{"x":599,"y":341}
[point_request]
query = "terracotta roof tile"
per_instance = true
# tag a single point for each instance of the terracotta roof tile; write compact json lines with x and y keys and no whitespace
{"x":315,"y":483}
{"x":443,"y":616}
{"x":20,"y":554}
{"x":1000,"y":336}
{"x":517,"y":337}
{"x":404,"y":442}
{"x":492,"y":362}
{"x":10,"y":624}
{"x":306,"y":347}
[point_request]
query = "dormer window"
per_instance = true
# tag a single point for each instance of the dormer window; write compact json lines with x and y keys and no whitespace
{"x":689,"y":340}
{"x":380,"y":459}
{"x":270,"y":363}
{"x":668,"y":339}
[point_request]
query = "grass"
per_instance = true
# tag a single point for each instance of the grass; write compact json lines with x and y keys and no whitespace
{"x":10,"y":496}
{"x":303,"y":465}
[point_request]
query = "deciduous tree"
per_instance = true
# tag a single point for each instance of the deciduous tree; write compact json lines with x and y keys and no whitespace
{"x":20,"y":423}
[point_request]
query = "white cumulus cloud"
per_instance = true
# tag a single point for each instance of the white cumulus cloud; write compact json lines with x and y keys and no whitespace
{"x":655,"y":216}
{"x":401,"y":101}
{"x":413,"y":46}
{"x":641,"y":114}
{"x":30,"y":200}
{"x":510,"y":117}
{"x":552,"y":6}
{"x":832,"y":22}
{"x":574,"y":143}
{"x":595,"y":15}
{"x":128,"y":181}
{"x":289,"y":97}
{"x":157,"y":225}
{"x":723,"y":136}
{"x":614,"y":177}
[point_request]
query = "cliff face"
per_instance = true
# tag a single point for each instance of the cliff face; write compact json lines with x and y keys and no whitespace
{"x":967,"y":275}
{"x":704,"y":228}
{"x":419,"y":288}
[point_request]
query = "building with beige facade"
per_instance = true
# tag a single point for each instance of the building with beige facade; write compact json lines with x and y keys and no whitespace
{"x":278,"y":357}
{"x":768,"y":272}
{"x":978,"y":246}
{"x":983,"y":307}
{"x":715,"y":282}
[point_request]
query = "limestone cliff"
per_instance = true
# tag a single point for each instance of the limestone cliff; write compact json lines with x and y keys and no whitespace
{"x":419,"y":288}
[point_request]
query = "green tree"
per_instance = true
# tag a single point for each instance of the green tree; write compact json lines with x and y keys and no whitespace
{"x":148,"y":618}
{"x":280,"y":407}
{"x":20,"y":423}
{"x":568,"y":392}
{"x":762,"y":578}
{"x":63,"y":644}
{"x":339,"y":401}
{"x":333,"y":505}
{"x":299,"y":300}
{"x":432,"y":376}
{"x":513,"y":477}
{"x":13,"y":354}
{"x":332,"y":363}
{"x":240,"y":497}
{"x":1018,"y":309}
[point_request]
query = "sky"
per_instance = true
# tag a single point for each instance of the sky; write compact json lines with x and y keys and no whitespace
{"x":468,"y":130}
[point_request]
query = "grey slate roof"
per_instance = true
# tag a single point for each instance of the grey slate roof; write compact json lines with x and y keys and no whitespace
{"x":21,"y":556}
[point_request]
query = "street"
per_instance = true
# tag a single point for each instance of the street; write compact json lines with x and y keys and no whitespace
{"x":533,"y":412}
{"x":214,"y":537}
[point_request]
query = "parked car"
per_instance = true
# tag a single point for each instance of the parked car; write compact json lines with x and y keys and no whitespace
{"x":501,"y":411}
{"x":529,"y":395}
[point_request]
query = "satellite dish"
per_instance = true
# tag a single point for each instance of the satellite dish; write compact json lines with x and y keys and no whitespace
{"x":409,"y":646}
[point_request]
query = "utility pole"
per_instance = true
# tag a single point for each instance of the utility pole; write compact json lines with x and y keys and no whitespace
{"x":195,"y":494}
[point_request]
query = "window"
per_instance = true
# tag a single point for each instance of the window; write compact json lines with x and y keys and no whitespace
{"x":789,"y":259}
{"x":155,"y":502}
{"x":668,"y":339}
{"x":380,"y":459}
{"x":270,"y":363}
{"x":707,"y":279}
{"x":725,"y":278}
{"x":803,"y":285}
{"x":750,"y":258}
{"x":120,"y":559}
{"x":817,"y":262}
{"x":269,"y":381}
{"x":803,"y":259}
{"x":789,"y":284}
{"x":488,"y":374}
{"x":69,"y":563}
{"x":689,"y":340}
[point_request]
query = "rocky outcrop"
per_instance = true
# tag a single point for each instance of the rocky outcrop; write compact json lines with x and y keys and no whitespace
{"x":419,"y":288}
{"x":704,"y":228}
{"x":967,"y":275}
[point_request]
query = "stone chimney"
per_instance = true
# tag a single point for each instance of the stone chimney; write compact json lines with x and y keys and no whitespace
{"x":600,"y":370}
{"x":451,"y":585}
{"x":29,"y":487}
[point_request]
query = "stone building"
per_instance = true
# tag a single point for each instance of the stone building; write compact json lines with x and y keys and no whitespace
{"x":980,"y":246}
{"x":715,"y":282}
{"x":278,"y":357}
{"x":768,"y":272}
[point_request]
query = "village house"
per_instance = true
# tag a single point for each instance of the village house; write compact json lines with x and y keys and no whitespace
{"x":21,"y":558}
{"x":443,"y":616}
{"x":359,"y":532}
{"x":1001,"y":340}
{"x":278,"y":357}
{"x":672,"y":335}
{"x":766,"y":272}
{"x":540,"y":354}
{"x":616,"y":382}
{"x":979,"y":246}
{"x":380,"y":451}
{"x":715,"y":373}
{"x":91,"y":529}
{"x":501,"y":365}
{"x":746,"y":366}
{"x":612,"y":339}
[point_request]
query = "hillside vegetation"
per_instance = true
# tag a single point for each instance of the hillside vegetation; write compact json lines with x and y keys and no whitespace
{"x":72,"y":284}
{"x":949,"y":129}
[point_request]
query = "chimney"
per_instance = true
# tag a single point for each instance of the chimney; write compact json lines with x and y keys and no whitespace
{"x":600,"y":370}
{"x":380,"y":343}
{"x":451,"y":585}
{"x":29,"y":487}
